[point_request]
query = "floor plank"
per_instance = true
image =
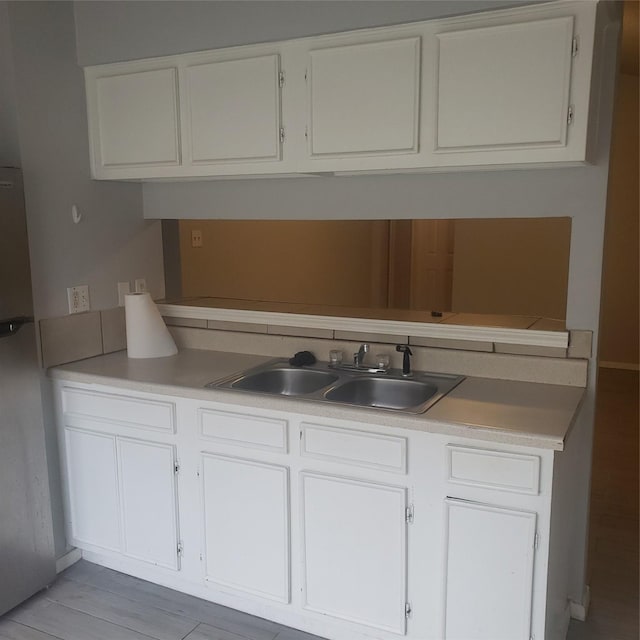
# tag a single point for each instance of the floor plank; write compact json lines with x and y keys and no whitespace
{"x":207,"y":632}
{"x":69,"y":624}
{"x":10,"y":630}
{"x":182,"y":604}
{"x":121,"y":611}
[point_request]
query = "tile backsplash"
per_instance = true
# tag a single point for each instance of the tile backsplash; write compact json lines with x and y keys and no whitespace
{"x":84,"y":335}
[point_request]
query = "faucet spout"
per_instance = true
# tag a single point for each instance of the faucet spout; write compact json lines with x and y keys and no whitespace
{"x":358,"y":357}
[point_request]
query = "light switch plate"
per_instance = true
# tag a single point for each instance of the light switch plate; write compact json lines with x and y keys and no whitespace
{"x":78,"y":298}
{"x":196,"y":238}
{"x":140,"y":285}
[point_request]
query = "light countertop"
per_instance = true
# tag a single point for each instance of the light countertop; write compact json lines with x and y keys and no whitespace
{"x":523,"y":413}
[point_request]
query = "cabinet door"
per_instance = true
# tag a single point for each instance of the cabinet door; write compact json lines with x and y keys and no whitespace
{"x":354,"y":538}
{"x":246,"y":525}
{"x":93,"y":488}
{"x":148,"y":498}
{"x":504,"y":86}
{"x":234,"y":110}
{"x":489,"y":575}
{"x":363,"y":98}
{"x":133,"y":119}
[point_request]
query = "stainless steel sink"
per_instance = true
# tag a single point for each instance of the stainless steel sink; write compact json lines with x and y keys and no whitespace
{"x":386,"y":393}
{"x":286,"y":381}
{"x":319,"y":383}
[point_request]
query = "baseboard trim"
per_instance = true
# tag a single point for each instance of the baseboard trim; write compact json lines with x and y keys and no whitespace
{"x":627,"y":366}
{"x":579,"y":610}
{"x":69,"y":558}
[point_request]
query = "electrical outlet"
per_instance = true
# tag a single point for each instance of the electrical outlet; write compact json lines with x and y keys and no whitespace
{"x":123,"y":289}
{"x":78,"y":298}
{"x":196,"y":238}
{"x":140,"y":285}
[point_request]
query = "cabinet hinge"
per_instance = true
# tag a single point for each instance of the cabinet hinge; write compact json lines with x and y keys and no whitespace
{"x":281,"y":134}
{"x":570,"y":114}
{"x":574,"y":47}
{"x":180,"y":548}
{"x":408,"y":514}
{"x":407,"y":610}
{"x":281,"y":79}
{"x":536,"y":540}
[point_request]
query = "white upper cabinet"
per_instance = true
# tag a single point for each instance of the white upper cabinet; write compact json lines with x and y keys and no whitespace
{"x":504,"y":94}
{"x":508,"y":87}
{"x":133,"y":119}
{"x":363,"y":99}
{"x":233,"y":110}
{"x":522,"y":101}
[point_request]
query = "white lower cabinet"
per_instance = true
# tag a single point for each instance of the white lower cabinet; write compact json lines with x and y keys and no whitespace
{"x":246,"y":525}
{"x":355,"y":559}
{"x":344,"y":529}
{"x":489,"y":575}
{"x":93,"y":495}
{"x":148,"y":497}
{"x":122,"y":495}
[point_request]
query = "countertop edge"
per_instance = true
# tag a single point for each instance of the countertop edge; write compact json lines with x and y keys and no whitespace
{"x":421,"y":422}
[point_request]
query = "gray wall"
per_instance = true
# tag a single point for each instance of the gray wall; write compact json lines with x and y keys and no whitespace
{"x":114,"y":31}
{"x":112,"y":242}
{"x":108,"y":32}
{"x":9,"y":145}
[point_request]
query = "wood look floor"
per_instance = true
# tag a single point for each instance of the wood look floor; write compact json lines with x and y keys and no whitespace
{"x":88,"y":602}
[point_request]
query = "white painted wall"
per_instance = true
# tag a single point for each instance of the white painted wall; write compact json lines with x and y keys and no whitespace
{"x":43,"y":129}
{"x":112,"y":31}
{"x":112,"y":242}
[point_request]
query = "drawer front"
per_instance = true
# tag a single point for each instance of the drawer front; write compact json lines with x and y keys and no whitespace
{"x":244,"y":430}
{"x":387,"y":453}
{"x":500,"y":470}
{"x":120,"y":409}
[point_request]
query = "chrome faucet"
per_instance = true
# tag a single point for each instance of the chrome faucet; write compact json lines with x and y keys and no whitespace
{"x":358,"y":357}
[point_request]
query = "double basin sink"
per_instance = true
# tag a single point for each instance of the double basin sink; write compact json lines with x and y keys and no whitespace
{"x":318,"y":382}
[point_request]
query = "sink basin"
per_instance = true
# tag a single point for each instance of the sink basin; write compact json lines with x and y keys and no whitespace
{"x":285,"y":381}
{"x":336,"y":386}
{"x":386,"y":393}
